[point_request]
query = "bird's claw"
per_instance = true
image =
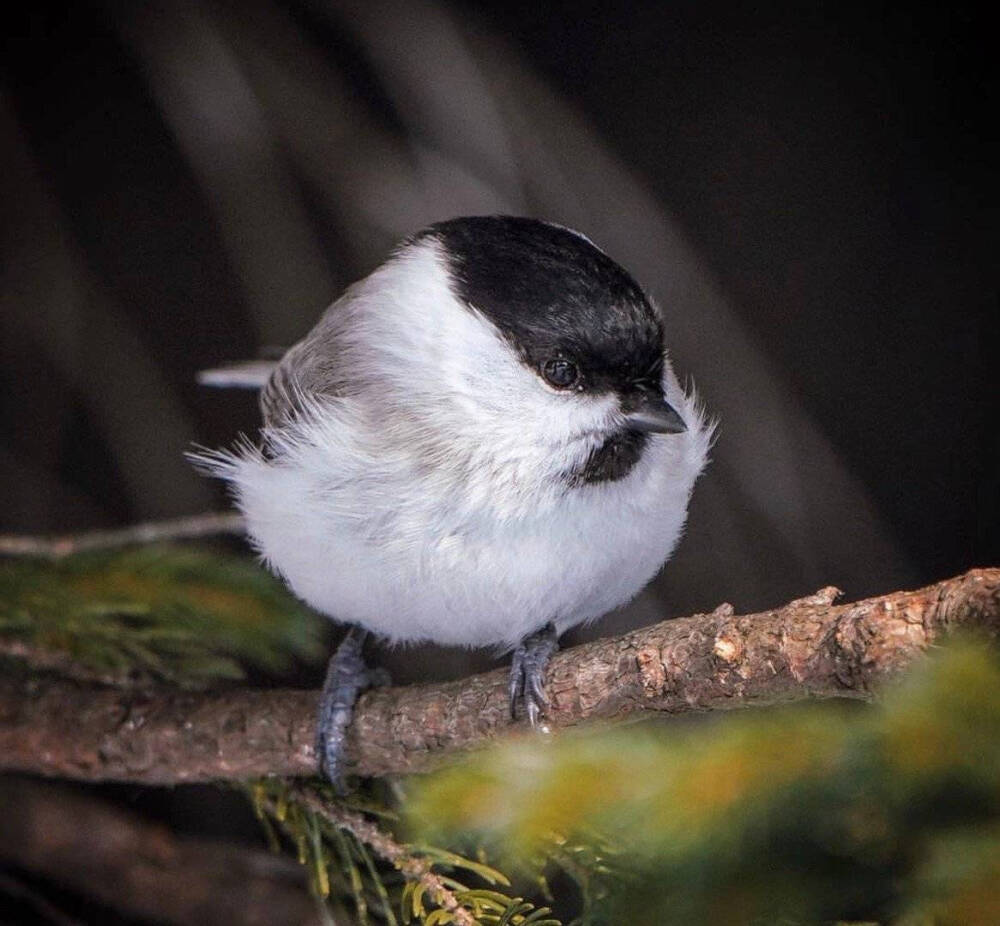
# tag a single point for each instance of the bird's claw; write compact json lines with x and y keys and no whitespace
{"x":527,"y":673}
{"x":346,"y":677}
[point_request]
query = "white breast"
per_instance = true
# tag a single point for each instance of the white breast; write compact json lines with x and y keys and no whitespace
{"x":395,"y":560}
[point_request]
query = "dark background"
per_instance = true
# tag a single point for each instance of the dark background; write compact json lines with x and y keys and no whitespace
{"x":808,"y":191}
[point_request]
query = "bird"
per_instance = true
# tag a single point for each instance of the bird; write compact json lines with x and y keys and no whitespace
{"x":481,"y":443}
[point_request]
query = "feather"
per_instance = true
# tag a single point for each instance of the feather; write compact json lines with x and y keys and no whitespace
{"x":246,"y":374}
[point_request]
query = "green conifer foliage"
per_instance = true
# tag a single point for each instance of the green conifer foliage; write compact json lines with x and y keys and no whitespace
{"x":175,"y":614}
{"x":355,"y":862}
{"x":805,"y":814}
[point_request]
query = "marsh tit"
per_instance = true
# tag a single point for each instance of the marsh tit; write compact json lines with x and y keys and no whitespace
{"x":481,"y":443}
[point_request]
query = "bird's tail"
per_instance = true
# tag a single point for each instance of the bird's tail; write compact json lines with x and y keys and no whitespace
{"x":246,"y":374}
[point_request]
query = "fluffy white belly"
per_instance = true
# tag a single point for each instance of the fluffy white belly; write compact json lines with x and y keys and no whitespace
{"x":479,"y":579}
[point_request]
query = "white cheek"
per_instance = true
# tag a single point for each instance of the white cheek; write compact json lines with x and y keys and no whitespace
{"x":515,"y":399}
{"x":452,"y":366}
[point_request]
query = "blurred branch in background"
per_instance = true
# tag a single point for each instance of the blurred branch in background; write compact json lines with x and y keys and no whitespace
{"x":810,"y":648}
{"x":137,"y":868}
{"x":189,"y":528}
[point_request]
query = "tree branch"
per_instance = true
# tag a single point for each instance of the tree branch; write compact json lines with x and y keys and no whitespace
{"x":189,"y":528}
{"x":142,"y":869}
{"x":808,"y":648}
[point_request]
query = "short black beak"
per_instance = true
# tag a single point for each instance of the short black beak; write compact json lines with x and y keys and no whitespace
{"x":650,"y":413}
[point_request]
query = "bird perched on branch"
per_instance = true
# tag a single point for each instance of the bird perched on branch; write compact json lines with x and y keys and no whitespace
{"x":480,"y":443}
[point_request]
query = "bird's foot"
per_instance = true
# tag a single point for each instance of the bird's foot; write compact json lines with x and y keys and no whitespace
{"x":527,"y":672}
{"x":346,"y":677}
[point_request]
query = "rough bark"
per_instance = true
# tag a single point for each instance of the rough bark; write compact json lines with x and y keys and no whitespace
{"x":141,"y":869}
{"x":808,"y":648}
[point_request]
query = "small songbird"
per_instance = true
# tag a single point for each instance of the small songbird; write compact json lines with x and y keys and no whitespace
{"x":481,"y":443}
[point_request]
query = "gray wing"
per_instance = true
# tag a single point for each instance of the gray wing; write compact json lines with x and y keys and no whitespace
{"x":309,"y":370}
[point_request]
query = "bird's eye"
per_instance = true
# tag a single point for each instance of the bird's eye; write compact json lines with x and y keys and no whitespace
{"x":560,"y":372}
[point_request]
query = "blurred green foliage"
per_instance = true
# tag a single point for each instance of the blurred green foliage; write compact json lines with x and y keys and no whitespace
{"x":805,"y":814}
{"x":177,"y":614}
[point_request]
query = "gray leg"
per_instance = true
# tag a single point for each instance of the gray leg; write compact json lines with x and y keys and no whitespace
{"x":346,"y":677}
{"x":527,"y":672}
